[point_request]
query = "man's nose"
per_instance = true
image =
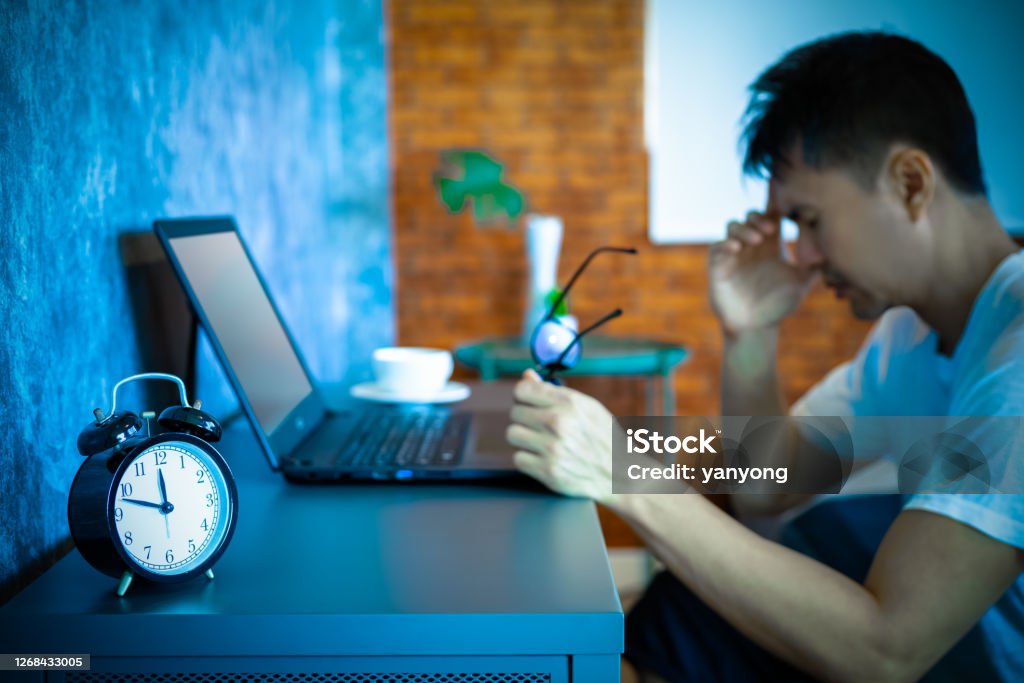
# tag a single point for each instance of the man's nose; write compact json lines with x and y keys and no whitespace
{"x":808,"y":251}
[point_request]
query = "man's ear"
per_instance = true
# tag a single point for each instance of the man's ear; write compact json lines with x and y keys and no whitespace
{"x":910,"y":175}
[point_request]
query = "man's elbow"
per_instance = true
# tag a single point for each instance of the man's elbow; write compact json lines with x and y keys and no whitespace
{"x":887,"y":670}
{"x":747,"y":505}
{"x":885,"y":660}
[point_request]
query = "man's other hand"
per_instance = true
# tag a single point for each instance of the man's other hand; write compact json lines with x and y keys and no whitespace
{"x":750,"y":285}
{"x":563,"y":437}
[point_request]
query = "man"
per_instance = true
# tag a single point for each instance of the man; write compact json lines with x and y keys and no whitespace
{"x":870,"y":147}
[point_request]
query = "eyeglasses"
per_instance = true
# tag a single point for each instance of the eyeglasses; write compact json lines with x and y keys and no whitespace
{"x":557,"y":347}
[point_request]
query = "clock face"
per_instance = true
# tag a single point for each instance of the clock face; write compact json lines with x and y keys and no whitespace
{"x":171,"y":508}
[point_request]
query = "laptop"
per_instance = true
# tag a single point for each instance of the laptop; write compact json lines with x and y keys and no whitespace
{"x":300,"y":435}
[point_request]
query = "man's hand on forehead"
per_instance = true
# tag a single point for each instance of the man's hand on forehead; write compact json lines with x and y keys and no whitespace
{"x":774,"y":208}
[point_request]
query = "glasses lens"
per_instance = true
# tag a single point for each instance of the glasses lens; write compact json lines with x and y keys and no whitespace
{"x":550,"y":340}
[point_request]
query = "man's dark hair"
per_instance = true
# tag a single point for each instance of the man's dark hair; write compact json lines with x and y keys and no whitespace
{"x":848,"y":97}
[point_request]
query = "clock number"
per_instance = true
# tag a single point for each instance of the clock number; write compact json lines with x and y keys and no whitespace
{"x":204,"y":525}
{"x":199,"y":473}
{"x":128,"y":540}
{"x":126,"y":490}
{"x":118,"y":514}
{"x":140,"y":469}
{"x":147,"y":548}
{"x":191,"y":546}
{"x":169,"y":556}
{"x":160,"y":458}
{"x":182,"y":458}
{"x":209,"y":500}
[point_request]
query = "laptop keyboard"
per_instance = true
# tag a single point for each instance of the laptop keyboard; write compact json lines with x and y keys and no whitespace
{"x":387,"y":440}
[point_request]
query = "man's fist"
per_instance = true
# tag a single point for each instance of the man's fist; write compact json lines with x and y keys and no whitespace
{"x":750,"y":284}
{"x":563,"y":437}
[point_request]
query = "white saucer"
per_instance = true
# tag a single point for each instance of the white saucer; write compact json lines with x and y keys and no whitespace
{"x":370,"y":391}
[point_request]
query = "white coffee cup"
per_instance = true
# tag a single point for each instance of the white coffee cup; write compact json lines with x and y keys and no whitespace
{"x":412,"y":371}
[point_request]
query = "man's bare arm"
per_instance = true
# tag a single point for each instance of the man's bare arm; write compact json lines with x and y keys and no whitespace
{"x":750,"y":377}
{"x":931,"y":580}
{"x":752,"y":288}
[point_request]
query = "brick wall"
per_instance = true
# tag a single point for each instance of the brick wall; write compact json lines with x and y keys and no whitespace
{"x":554,"y":89}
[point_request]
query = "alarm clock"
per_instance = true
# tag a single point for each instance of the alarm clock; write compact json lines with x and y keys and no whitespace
{"x":159,"y":507}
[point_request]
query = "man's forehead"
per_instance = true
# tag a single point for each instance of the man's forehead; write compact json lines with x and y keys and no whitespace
{"x":785,"y":193}
{"x":796,"y":185}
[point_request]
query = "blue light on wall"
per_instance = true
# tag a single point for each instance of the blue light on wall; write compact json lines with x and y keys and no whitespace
{"x":114,"y":115}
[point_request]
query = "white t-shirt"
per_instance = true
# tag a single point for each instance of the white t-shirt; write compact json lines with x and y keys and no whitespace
{"x":898,"y":371}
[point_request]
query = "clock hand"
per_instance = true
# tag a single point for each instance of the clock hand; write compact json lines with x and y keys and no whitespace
{"x":143,"y":503}
{"x":165,"y":507}
{"x":163,"y":487}
{"x":162,"y":507}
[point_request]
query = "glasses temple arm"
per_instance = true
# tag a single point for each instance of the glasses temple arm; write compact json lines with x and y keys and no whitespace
{"x":579,"y":271}
{"x":579,"y":335}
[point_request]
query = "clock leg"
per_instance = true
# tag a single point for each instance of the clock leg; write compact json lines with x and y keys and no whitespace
{"x":126,"y":581}
{"x":209,"y":574}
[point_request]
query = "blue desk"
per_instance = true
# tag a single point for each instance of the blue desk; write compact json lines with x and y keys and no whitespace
{"x":481,"y":583}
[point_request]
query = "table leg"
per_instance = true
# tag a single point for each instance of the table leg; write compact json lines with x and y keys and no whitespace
{"x":488,"y":370}
{"x":668,"y":394}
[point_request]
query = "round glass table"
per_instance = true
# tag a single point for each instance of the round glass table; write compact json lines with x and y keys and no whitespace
{"x":656,"y":360}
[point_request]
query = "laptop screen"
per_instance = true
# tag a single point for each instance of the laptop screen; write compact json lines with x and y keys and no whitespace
{"x":241,"y":318}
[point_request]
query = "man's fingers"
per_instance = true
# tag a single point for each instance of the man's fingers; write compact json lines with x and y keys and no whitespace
{"x":722,"y":257}
{"x":529,"y":439}
{"x":535,"y":418}
{"x":536,"y":392}
{"x":529,"y":464}
{"x":744,"y":232}
{"x":766,"y":224}
{"x":728,"y":247}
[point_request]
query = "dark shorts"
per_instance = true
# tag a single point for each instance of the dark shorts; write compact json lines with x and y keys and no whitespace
{"x":672,"y":633}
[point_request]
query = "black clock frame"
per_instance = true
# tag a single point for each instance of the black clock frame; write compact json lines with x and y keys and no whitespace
{"x":94,"y":531}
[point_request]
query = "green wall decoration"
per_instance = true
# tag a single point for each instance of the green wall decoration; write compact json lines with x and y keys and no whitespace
{"x":475,"y":176}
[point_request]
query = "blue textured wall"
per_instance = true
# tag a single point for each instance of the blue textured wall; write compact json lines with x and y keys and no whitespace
{"x":112,"y":114}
